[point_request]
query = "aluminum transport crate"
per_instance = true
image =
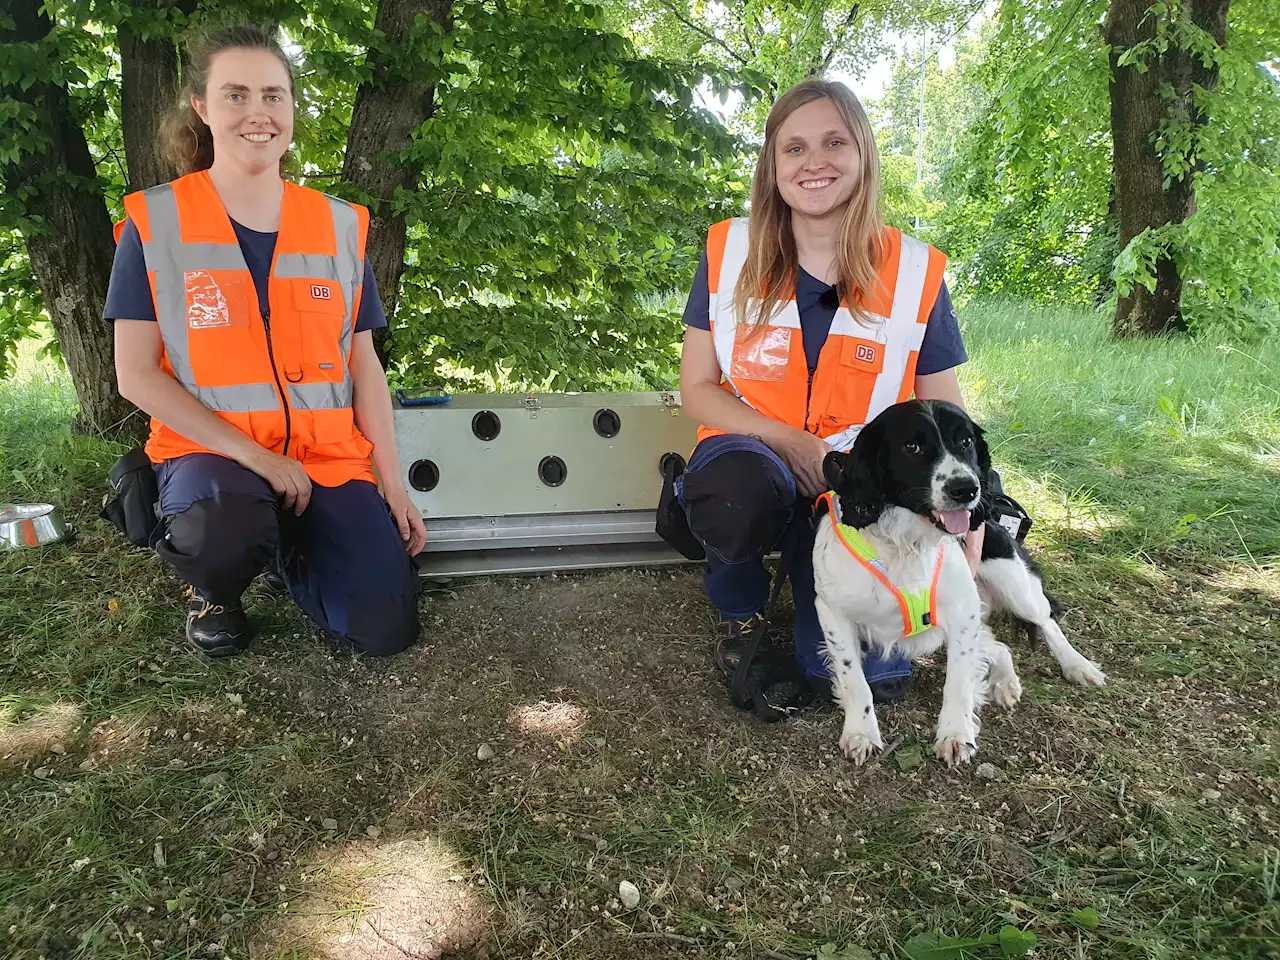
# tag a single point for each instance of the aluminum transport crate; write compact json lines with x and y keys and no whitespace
{"x":511,"y":484}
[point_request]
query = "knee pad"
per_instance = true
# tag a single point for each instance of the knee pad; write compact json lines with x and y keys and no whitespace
{"x":220,"y":544}
{"x":738,"y":504}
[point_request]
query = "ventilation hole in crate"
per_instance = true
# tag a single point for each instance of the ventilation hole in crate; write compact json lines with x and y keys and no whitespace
{"x":552,"y":471}
{"x":607,"y":423}
{"x":486,"y":425}
{"x":424,"y":475}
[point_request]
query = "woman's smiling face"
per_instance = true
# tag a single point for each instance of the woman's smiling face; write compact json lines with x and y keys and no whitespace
{"x":816,"y":161}
{"x":248,"y":107}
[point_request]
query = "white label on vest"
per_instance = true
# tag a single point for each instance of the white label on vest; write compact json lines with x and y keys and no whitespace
{"x":320,"y":292}
{"x":1012,"y":524}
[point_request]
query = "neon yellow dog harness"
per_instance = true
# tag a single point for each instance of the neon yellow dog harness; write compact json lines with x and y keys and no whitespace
{"x":919,"y":607}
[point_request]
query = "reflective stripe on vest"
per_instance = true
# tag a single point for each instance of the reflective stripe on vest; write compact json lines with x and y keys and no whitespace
{"x":919,"y":607}
{"x":891,"y":336}
{"x":175,"y":261}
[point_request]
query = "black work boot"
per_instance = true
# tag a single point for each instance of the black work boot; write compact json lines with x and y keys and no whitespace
{"x":732,"y":637}
{"x":215,"y":629}
{"x":882,"y":691}
{"x":273,"y":578}
{"x":776,"y":686}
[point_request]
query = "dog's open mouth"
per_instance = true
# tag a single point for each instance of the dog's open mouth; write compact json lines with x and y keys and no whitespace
{"x":953,"y":521}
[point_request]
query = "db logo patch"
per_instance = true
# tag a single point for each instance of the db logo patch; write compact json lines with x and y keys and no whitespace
{"x":320,"y":292}
{"x":865,"y":353}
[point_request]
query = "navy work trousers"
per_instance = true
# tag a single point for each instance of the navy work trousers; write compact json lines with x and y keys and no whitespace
{"x":739,"y":496}
{"x":343,"y":558}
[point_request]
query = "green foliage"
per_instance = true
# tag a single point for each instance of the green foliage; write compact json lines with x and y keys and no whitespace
{"x":1018,"y":161}
{"x":1011,"y":942}
{"x":20,"y":302}
{"x":565,"y":178}
{"x":1016,"y":185}
{"x":564,"y":183}
{"x":559,"y":195}
{"x":81,"y":61}
{"x":1086,"y":918}
{"x":1227,"y":250}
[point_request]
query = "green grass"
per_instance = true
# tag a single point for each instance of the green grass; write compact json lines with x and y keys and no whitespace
{"x":157,"y":805}
{"x":1140,"y":447}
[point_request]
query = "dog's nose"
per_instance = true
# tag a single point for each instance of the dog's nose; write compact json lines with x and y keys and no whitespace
{"x":961,"y":489}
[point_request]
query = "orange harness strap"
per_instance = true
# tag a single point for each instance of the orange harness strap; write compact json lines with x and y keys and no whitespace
{"x":919,"y":607}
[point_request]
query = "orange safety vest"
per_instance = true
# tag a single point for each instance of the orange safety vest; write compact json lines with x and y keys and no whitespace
{"x":284,"y":379}
{"x":863,"y":368}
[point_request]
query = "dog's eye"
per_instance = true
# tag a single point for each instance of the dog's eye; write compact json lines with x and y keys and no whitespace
{"x":912,"y":448}
{"x":966,"y":443}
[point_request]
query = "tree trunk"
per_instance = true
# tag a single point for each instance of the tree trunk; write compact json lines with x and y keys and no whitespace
{"x":1143,"y":199}
{"x":387,"y":110}
{"x":148,"y":90}
{"x":71,"y":255}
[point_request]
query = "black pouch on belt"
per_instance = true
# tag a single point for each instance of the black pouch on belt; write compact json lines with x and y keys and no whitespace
{"x":135,"y":507}
{"x":672,"y":525}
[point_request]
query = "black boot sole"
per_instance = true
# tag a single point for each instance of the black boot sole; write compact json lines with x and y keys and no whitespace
{"x":220,"y":645}
{"x":218,"y":650}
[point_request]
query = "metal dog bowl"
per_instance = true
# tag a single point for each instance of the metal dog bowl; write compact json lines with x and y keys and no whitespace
{"x":31,"y":525}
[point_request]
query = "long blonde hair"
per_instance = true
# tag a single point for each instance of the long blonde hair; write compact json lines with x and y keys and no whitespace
{"x":772,"y":263}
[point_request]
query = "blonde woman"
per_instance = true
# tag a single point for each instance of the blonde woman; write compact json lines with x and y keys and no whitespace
{"x":803,"y":324}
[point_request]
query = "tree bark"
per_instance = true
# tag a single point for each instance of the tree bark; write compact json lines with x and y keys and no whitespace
{"x":149,"y":75}
{"x":1143,"y":199}
{"x":71,"y":254}
{"x":387,"y":110}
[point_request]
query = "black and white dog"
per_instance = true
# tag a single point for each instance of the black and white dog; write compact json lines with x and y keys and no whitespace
{"x":912,"y":486}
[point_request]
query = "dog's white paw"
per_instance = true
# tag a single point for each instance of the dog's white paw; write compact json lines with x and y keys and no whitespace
{"x":957,"y":740}
{"x":1005,"y":691}
{"x":858,"y":741}
{"x":954,"y":751}
{"x":1084,"y":672}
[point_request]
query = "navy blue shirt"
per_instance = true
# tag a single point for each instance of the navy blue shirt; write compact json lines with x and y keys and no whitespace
{"x":129,"y":293}
{"x":941,"y":350}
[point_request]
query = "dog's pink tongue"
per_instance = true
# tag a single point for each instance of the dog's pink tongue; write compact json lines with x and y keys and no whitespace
{"x":956,"y":521}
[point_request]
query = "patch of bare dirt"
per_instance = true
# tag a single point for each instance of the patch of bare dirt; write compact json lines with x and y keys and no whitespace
{"x":47,"y":731}
{"x":404,"y":900}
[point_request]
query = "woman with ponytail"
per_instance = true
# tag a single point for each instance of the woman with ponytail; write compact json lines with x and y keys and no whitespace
{"x":803,"y":324}
{"x":244,"y":307}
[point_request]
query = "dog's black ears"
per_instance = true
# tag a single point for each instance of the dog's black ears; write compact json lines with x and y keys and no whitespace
{"x":988,"y":479}
{"x":855,"y":477}
{"x":984,"y":454}
{"x":833,"y":468}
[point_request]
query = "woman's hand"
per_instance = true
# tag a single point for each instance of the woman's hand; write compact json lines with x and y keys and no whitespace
{"x":803,"y":453}
{"x":287,"y":477}
{"x":973,"y":548}
{"x":412,"y":530}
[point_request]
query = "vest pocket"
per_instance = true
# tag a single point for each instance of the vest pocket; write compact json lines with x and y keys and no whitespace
{"x":321,"y":315}
{"x":861,"y":363}
{"x":336,"y":435}
{"x":761,"y":354}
